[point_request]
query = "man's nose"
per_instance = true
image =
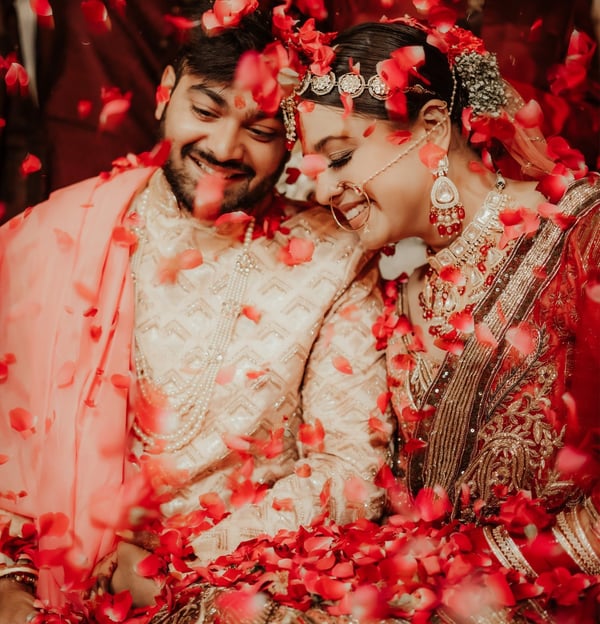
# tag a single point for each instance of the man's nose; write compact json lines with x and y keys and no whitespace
{"x":225,"y":141}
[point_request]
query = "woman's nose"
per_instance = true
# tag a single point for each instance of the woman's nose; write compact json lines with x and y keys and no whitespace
{"x":326,"y":190}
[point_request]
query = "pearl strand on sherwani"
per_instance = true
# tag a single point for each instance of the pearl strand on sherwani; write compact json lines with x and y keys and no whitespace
{"x":193,"y":406}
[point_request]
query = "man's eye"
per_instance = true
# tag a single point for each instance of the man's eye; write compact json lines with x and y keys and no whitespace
{"x":263,"y":134}
{"x":204,"y":112}
{"x":338,"y":161}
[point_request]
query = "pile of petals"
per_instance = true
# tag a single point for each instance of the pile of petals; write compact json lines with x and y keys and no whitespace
{"x":408,"y":567}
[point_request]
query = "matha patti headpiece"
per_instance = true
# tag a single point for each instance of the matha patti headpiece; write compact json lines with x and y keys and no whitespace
{"x":352,"y":84}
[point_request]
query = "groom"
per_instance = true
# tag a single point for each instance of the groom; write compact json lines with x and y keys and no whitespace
{"x":158,"y":346}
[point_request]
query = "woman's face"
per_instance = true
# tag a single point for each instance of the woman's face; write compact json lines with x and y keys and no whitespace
{"x":355,"y":148}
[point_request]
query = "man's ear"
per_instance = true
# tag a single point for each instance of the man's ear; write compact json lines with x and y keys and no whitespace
{"x":167,"y":82}
{"x":435,"y":118}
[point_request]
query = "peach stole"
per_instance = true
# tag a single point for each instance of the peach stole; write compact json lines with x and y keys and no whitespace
{"x":66,"y":319}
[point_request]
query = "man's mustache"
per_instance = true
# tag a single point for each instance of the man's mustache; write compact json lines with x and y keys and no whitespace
{"x":233,"y":165}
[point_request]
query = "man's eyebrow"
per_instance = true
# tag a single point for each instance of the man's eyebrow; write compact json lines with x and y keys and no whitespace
{"x":252,"y":115}
{"x":201,"y":87}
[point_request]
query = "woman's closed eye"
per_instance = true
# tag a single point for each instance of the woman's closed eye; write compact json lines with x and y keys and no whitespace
{"x":337,"y":161}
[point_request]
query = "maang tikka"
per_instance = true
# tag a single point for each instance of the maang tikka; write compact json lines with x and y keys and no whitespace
{"x":446,"y":212}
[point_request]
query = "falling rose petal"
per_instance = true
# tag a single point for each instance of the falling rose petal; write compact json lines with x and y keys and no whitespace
{"x":306,"y":106}
{"x":462,"y":321}
{"x":413,"y":445}
{"x":453,"y":275}
{"x":273,"y":447}
{"x":113,"y":608}
{"x":303,"y":471}
{"x":239,"y":102}
{"x":383,"y":401}
{"x":252,"y":313}
{"x":312,"y":435}
{"x":113,"y":113}
{"x":370,"y":129}
{"x":240,"y":605}
{"x":399,"y":137}
{"x":350,"y":312}
{"x":355,"y":490}
{"x":403,"y":361}
{"x":570,"y":460}
{"x":84,"y":108}
{"x":348,"y":102}
{"x":214,"y":505}
{"x":232,"y":224}
{"x":95,"y":332}
{"x":342,"y":364}
{"x":225,"y":375}
{"x":236,"y":443}
{"x":477,"y":167}
{"x":297,"y":251}
{"x":454,"y":346}
{"x":65,"y":375}
{"x":312,"y":165}
{"x":22,"y":421}
{"x":522,"y":337}
{"x":563,"y":221}
{"x":96,"y":15}
{"x":530,"y":115}
{"x":124,"y":236}
{"x":255,"y":374}
{"x":41,"y":8}
{"x":3,"y":371}
{"x":16,"y":79}
{"x":209,"y":197}
{"x":431,"y":154}
{"x":433,"y":503}
{"x":30,"y":165}
{"x":3,"y":459}
{"x":120,"y":381}
{"x":592,"y":290}
{"x":63,"y":239}
{"x":162,"y":95}
{"x":283,"y":504}
{"x":150,"y":566}
{"x":53,"y":524}
{"x":291,"y":175}
{"x":484,"y":336}
{"x":554,"y":185}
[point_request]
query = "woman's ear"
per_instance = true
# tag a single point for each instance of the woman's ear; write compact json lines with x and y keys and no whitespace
{"x":436,"y":120}
{"x":167,"y":82}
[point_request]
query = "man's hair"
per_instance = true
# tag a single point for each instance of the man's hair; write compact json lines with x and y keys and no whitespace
{"x":215,"y":57}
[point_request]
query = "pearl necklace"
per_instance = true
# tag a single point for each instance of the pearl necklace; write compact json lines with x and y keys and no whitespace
{"x":193,"y":403}
{"x":475,"y":254}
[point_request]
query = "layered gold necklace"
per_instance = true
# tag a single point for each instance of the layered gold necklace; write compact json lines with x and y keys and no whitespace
{"x":459,"y":274}
{"x":190,"y":404}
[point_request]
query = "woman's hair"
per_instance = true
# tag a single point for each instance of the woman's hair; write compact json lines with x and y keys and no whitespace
{"x":372,"y":42}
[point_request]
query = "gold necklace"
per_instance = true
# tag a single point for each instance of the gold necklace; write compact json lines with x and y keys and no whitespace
{"x":475,"y":255}
{"x":193,"y":403}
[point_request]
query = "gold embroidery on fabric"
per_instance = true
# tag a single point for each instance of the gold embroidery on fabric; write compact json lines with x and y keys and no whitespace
{"x":459,"y":390}
{"x":517,"y":442}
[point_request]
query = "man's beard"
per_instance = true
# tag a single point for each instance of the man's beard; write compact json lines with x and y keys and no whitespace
{"x":239,"y":198}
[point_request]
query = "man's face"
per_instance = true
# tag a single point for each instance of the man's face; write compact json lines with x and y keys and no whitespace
{"x":214,"y":128}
